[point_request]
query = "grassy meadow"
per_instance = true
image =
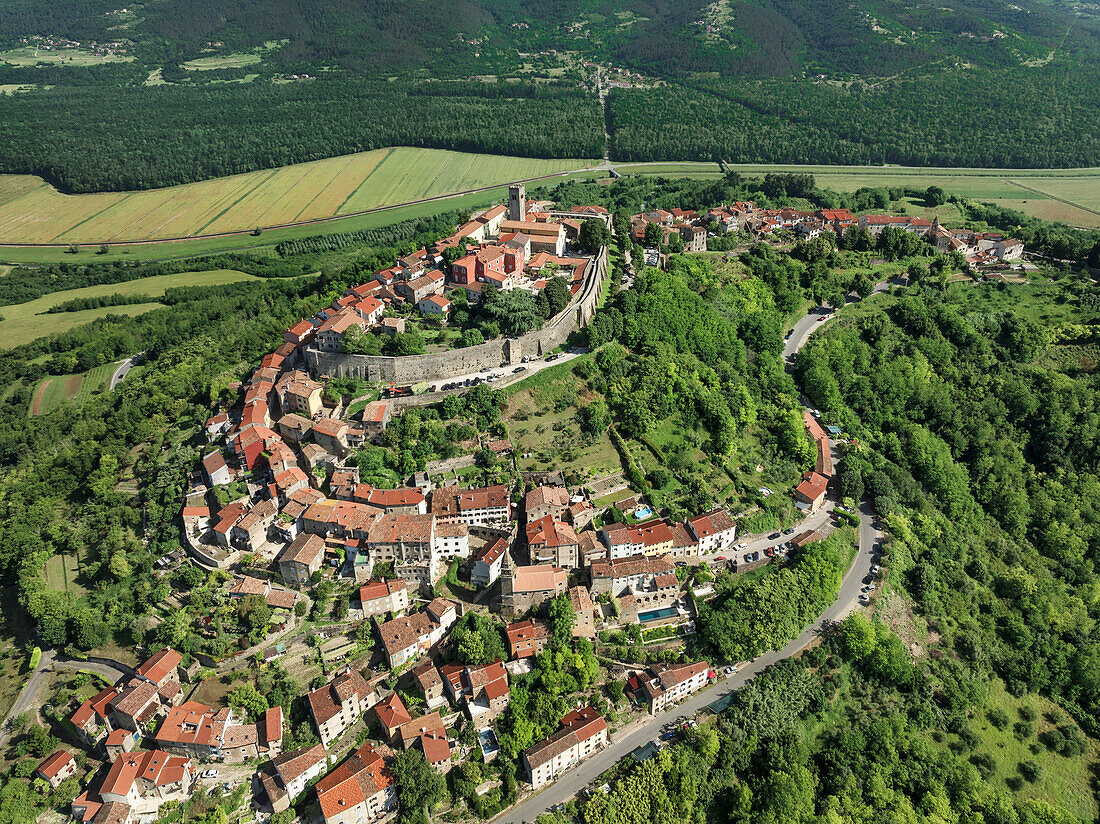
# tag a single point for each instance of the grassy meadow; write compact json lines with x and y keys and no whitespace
{"x":32,"y":56}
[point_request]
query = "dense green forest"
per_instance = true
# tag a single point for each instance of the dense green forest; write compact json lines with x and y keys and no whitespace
{"x":853,"y":732}
{"x":976,"y":411}
{"x":982,"y":117}
{"x":972,"y":83}
{"x":122,"y":138}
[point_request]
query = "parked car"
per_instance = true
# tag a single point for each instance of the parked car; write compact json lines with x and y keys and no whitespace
{"x":775,"y":536}
{"x":867,"y":579}
{"x":720,"y":558}
{"x":869,"y":588}
{"x":487,"y":369}
{"x":730,"y":670}
{"x":519,"y":369}
{"x":769,"y":551}
{"x":874,"y":569}
{"x":552,"y":358}
{"x":864,"y":599}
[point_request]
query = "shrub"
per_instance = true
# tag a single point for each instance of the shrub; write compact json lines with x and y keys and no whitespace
{"x":985,"y":763}
{"x":1023,"y":730}
{"x":1031,"y":771}
{"x":997,"y":717}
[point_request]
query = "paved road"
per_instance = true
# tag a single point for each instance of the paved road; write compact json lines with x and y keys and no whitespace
{"x":27,"y":697}
{"x":505,"y":377}
{"x":121,"y":372}
{"x":637,"y":734}
{"x":111,"y":671}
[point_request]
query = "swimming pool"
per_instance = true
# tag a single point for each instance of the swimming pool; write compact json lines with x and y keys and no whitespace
{"x":642,"y":512}
{"x":657,"y":614}
{"x":488,"y":741}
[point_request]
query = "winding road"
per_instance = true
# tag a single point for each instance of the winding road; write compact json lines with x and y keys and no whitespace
{"x":27,"y":700}
{"x":636,"y":734}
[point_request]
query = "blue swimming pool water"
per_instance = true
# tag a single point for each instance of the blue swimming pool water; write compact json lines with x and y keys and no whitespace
{"x":642,"y":512}
{"x":657,"y":614}
{"x":488,"y":741}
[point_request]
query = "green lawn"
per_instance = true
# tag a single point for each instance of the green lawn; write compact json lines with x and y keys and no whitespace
{"x":23,"y":322}
{"x":61,"y":572}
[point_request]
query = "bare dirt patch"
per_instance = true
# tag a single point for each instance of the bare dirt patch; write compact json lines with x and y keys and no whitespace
{"x":39,"y":393}
{"x":898,"y":614}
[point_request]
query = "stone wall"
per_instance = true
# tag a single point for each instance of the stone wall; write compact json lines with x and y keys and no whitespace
{"x":442,"y":365}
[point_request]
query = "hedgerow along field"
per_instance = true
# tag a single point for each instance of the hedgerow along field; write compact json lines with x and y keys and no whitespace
{"x":23,"y":322}
{"x":32,"y":211}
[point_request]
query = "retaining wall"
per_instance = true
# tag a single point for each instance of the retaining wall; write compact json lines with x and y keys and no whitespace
{"x":442,"y":365}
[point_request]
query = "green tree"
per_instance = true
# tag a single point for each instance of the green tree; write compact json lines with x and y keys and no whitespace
{"x":248,"y":698}
{"x":562,"y":617}
{"x":594,"y":235}
{"x":419,"y":787}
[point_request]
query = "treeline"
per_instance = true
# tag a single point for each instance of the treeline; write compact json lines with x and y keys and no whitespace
{"x":147,"y":137}
{"x":947,"y":120}
{"x":750,"y":617}
{"x":80,"y":304}
{"x":419,"y":231}
{"x":24,"y":283}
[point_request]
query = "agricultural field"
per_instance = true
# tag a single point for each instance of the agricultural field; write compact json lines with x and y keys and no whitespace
{"x":23,"y":322}
{"x":32,"y":56}
{"x":54,"y":391}
{"x":224,"y":61}
{"x":32,"y":211}
{"x":1068,"y":195}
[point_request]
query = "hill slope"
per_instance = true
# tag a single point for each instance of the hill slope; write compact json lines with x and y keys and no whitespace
{"x":214,"y":87}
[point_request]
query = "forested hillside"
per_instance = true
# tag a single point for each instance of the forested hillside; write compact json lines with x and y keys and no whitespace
{"x":217,"y":86}
{"x":976,"y":413}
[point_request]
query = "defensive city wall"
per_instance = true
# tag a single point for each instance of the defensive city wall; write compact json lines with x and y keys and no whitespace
{"x":442,"y":365}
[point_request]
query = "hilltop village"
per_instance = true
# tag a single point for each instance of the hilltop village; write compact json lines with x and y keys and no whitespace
{"x":445,"y":593}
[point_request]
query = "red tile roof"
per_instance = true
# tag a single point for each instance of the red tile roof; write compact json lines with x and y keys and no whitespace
{"x":363,"y":775}
{"x":55,"y":764}
{"x":391,"y":712}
